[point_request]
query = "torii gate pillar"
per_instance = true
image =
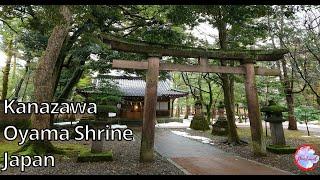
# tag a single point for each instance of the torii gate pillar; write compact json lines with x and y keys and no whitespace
{"x":258,"y":142}
{"x":149,"y":113}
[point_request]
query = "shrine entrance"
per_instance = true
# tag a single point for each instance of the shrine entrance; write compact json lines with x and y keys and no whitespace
{"x":247,"y":59}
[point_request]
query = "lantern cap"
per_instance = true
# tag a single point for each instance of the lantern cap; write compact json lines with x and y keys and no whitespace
{"x":221,"y":104}
{"x":274,"y":108}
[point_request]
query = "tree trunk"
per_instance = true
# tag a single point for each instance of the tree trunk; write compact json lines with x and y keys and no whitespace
{"x":178,"y":110}
{"x":43,"y":79}
{"x":72,"y":82}
{"x":6,"y":71}
{"x":19,"y":85}
{"x":44,"y":82}
{"x":287,"y":84}
{"x":291,"y":117}
{"x":233,"y":135}
{"x":14,"y":68}
{"x":227,"y":88}
{"x":187,"y":108}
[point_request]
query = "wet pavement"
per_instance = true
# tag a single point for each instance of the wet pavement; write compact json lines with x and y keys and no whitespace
{"x":199,"y":158}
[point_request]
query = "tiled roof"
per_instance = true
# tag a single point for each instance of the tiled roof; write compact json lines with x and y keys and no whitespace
{"x":135,"y":87}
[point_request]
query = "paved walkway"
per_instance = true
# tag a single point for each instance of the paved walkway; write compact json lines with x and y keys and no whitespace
{"x":198,"y":158}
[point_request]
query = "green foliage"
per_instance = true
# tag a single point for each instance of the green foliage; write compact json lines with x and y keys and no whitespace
{"x":84,"y":82}
{"x":107,"y":95}
{"x":303,"y":113}
{"x":78,"y":98}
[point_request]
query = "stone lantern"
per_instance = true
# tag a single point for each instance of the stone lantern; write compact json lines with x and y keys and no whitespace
{"x":199,"y":121}
{"x":274,"y":116}
{"x":220,"y":127}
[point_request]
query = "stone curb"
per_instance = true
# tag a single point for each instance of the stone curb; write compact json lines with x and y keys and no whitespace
{"x":179,"y":167}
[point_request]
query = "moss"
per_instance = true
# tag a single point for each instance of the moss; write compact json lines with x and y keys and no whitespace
{"x":71,"y":148}
{"x":9,"y":147}
{"x":65,"y":149}
{"x":95,"y":157}
{"x":274,"y":109}
{"x":199,"y":123}
{"x":220,"y":105}
{"x":281,"y":149}
{"x":32,"y":148}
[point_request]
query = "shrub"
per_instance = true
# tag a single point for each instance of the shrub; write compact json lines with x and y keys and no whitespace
{"x":95,"y":157}
{"x":20,"y":124}
{"x":281,"y":149}
{"x":199,"y":123}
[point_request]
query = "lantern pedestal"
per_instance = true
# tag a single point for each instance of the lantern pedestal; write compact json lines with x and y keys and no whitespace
{"x":220,"y":127}
{"x":277,"y":134}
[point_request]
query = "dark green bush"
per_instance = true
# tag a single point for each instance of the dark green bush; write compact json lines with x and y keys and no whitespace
{"x":281,"y":149}
{"x":199,"y":123}
{"x":95,"y":157}
{"x":20,"y":124}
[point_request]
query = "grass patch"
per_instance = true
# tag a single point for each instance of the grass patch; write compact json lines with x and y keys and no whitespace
{"x":9,"y":147}
{"x":244,"y":132}
{"x":64,"y":149}
{"x":95,"y":157}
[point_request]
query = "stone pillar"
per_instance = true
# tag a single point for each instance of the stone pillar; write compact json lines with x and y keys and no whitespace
{"x":96,"y":145}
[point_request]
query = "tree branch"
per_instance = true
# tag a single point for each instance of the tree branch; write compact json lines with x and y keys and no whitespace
{"x":9,"y":26}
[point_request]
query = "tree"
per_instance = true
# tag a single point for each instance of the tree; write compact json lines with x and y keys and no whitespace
{"x":233,"y":16}
{"x":282,"y":31}
{"x":8,"y":32}
{"x":44,"y":80}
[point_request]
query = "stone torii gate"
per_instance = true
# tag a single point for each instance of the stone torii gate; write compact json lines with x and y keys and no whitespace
{"x":247,"y":59}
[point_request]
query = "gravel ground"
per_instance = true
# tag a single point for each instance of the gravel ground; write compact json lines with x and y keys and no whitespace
{"x":126,"y":162}
{"x":284,"y":162}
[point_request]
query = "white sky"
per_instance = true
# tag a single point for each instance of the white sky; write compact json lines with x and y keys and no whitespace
{"x":2,"y":59}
